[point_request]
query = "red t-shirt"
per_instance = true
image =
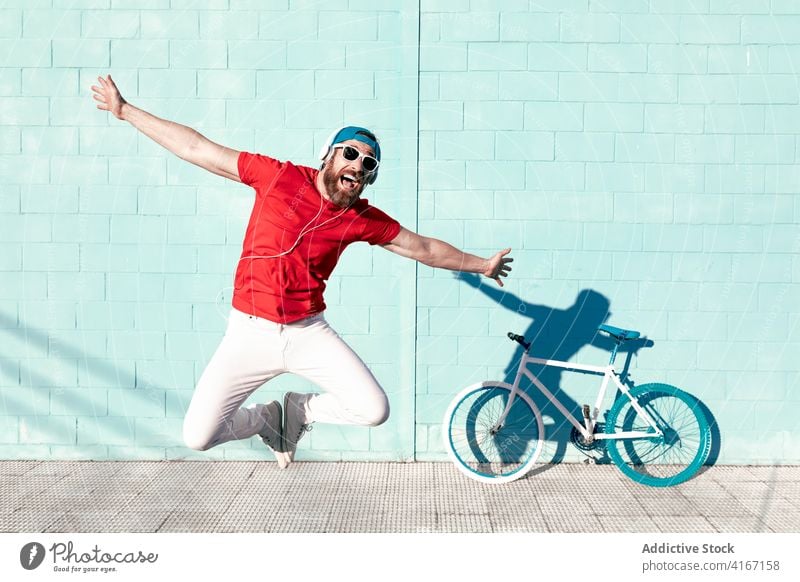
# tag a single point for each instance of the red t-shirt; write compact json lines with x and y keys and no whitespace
{"x":290,"y":287}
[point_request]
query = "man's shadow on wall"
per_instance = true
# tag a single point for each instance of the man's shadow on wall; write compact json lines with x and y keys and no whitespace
{"x":556,"y":334}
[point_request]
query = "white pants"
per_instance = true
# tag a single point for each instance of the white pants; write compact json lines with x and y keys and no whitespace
{"x":255,"y":350}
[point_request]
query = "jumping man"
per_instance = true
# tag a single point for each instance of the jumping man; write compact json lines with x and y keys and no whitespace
{"x":301,"y":222}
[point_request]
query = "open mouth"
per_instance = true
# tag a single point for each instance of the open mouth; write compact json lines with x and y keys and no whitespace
{"x":348,"y":182}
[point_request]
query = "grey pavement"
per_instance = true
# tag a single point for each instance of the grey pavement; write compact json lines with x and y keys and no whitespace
{"x":227,"y":496}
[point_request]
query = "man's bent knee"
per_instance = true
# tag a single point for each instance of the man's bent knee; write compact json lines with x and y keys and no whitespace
{"x":199,"y":440}
{"x":377,"y":414}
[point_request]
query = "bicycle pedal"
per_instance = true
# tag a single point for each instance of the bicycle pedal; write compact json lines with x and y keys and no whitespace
{"x":586,"y":411}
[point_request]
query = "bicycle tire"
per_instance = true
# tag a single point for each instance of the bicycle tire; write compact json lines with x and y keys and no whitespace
{"x":670,"y":459}
{"x":499,"y":457}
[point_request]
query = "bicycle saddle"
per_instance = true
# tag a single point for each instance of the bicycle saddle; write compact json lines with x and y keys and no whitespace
{"x":619,"y":333}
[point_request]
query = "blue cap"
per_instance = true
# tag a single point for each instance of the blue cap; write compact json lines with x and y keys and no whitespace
{"x":360,"y":134}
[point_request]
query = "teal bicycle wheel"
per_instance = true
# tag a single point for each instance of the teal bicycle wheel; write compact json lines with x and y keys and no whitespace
{"x":485,"y":449}
{"x":659,"y":460}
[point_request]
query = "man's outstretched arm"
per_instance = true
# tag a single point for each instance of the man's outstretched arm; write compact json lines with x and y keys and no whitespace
{"x":436,"y":253}
{"x":183,"y":141}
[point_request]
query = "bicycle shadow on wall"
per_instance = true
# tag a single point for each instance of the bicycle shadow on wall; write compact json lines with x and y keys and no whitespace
{"x":556,"y":334}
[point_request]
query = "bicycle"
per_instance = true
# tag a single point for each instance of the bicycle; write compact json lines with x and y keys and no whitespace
{"x":656,"y":434}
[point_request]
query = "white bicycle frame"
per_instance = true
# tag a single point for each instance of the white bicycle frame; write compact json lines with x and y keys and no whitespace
{"x":586,"y":429}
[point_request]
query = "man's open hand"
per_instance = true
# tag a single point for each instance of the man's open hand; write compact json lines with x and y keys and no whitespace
{"x":108,"y":96}
{"x":498,"y":266}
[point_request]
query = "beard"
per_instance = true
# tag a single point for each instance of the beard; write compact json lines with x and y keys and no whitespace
{"x":340,"y":196}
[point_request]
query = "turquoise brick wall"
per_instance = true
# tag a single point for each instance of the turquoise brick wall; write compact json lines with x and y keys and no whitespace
{"x":640,"y":152}
{"x":639,"y":157}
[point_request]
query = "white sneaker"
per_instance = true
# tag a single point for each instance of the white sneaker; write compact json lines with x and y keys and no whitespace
{"x":272,"y":433}
{"x":294,"y":421}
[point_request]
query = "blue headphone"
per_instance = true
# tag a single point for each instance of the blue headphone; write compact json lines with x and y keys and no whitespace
{"x":360,"y":134}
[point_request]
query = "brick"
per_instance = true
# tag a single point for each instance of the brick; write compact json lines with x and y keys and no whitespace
{"x":492,"y":115}
{"x":765,"y":268}
{"x":149,"y":54}
{"x":464,"y":145}
{"x":50,"y":24}
{"x":526,"y":86}
{"x":94,"y":315}
{"x":312,"y":114}
{"x":549,"y":116}
{"x":460,"y":205}
{"x":647,"y":208}
{"x":677,"y":59}
{"x":81,"y":53}
{"x":712,"y":149}
{"x":705,"y":30}
{"x":778,"y":178}
{"x":674,"y":238}
{"x":606,"y":237}
{"x":627,"y":58}
{"x":10,"y":82}
{"x":703,"y":209}
{"x":571,"y":146}
{"x":49,"y":199}
{"x":740,"y":59}
{"x":198,"y":54}
{"x":661,"y":118}
{"x":226,"y":25}
{"x":591,"y":87}
{"x":136,"y":344}
{"x":106,"y":430}
{"x":344,"y":85}
{"x":50,"y":82}
{"x":735,"y":119}
{"x":24,"y":111}
{"x":506,"y":175}
{"x":107,"y":199}
{"x":528,"y":27}
{"x":336,"y":25}
{"x":50,"y":257}
{"x":442,"y":175}
{"x":137,"y":171}
{"x":170,"y":24}
{"x":72,"y":111}
{"x":764,"y":149}
{"x":78,"y":170}
{"x":109,"y":24}
{"x":632,"y":147}
{"x":708,"y":89}
{"x":497,"y":57}
{"x":770,"y":89}
{"x":770,"y":29}
{"x":616,"y":177}
{"x":470,"y":86}
{"x":741,"y":178}
{"x":555,"y":175}
{"x":524,"y":145}
{"x":734,"y":239}
{"x":585,"y":265}
{"x":555,"y":56}
{"x":10,"y":23}
{"x":265,"y":54}
{"x":471,"y":26}
{"x":669,"y":296}
{"x":81,"y":402}
{"x":590,"y":28}
{"x":641,"y":266}
{"x":649,"y":28}
{"x":49,"y":140}
{"x":625,"y":6}
{"x":701,"y":268}
{"x":315,"y":55}
{"x":46,"y":429}
{"x":443,"y":57}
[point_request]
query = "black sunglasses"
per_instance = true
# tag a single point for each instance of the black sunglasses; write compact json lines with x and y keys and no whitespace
{"x":351,"y":154}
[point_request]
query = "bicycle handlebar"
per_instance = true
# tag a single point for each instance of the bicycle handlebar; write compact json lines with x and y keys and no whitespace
{"x":520,"y":340}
